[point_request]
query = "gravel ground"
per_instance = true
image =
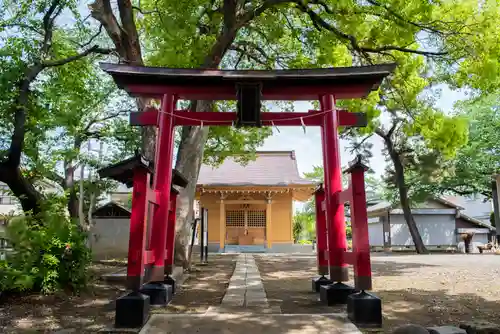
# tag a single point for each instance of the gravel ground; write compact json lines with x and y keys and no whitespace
{"x":94,"y":310}
{"x":87,"y":313}
{"x":424,"y":289}
{"x":205,"y":286}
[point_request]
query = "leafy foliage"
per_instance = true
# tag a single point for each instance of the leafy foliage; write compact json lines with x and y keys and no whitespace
{"x":304,"y":226}
{"x":472,"y":169}
{"x":46,"y":256}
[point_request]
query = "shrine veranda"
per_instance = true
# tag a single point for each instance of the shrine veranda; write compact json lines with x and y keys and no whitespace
{"x":155,"y":184}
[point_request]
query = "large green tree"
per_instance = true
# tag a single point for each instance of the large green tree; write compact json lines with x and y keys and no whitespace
{"x":415,"y":134}
{"x":34,"y":47}
{"x":301,"y":33}
{"x":471,"y":171}
{"x":87,"y":112}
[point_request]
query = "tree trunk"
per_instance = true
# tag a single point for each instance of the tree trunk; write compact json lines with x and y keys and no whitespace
{"x":403,"y":196}
{"x":189,"y":159}
{"x":10,"y":171}
{"x":22,"y":188}
{"x":190,"y":154}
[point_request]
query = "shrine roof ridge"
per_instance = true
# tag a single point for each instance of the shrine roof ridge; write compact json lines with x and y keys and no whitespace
{"x":305,"y":73}
{"x":215,"y":84}
{"x":270,"y":168}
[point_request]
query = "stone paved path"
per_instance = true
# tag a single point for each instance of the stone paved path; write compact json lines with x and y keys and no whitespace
{"x":245,"y":309}
{"x":245,"y":286}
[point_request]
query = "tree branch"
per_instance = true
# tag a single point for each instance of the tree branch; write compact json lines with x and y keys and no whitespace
{"x":131,"y":39}
{"x":391,"y":130}
{"x":401,"y":18}
{"x":48,"y":25}
{"x":99,"y":120}
{"x":252,"y":13}
{"x":245,"y":52}
{"x":144,"y":12}
{"x":381,"y":133}
{"x":102,"y":11}
{"x":94,"y":49}
{"x":84,"y":45}
{"x":229,"y":10}
{"x":357,"y":146}
{"x":21,"y":25}
{"x":319,"y":23}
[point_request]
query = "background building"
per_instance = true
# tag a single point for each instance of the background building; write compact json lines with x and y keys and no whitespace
{"x":251,"y":206}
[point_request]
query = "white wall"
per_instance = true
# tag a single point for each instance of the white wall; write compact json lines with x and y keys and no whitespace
{"x":481,"y":238}
{"x":110,"y":238}
{"x":434,"y":229}
{"x":376,"y":234}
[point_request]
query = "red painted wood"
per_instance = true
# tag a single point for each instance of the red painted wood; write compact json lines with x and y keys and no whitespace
{"x":184,"y":117}
{"x":151,"y":196}
{"x":162,"y":184}
{"x":169,"y":253}
{"x":321,"y":240}
{"x":304,"y":93}
{"x":326,"y":180}
{"x":349,"y":257}
{"x":345,"y":195}
{"x":137,"y":238}
{"x":337,"y":242}
{"x":359,"y":217}
{"x":149,"y":257}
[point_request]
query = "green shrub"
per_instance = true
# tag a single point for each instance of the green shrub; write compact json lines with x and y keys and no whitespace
{"x":305,"y":242}
{"x":49,"y":253}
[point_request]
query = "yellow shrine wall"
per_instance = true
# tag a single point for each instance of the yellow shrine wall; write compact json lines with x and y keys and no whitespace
{"x":280,"y":219}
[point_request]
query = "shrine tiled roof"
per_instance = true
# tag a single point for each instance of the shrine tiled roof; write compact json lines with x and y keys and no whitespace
{"x":274,"y":168}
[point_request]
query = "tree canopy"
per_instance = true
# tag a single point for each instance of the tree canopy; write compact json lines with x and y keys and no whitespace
{"x":471,"y":172}
{"x":48,"y":65}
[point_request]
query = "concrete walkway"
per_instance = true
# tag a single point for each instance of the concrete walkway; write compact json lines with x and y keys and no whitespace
{"x":245,"y":286}
{"x":245,"y":309}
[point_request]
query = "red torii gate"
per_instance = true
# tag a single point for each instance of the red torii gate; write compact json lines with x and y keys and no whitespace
{"x":249,"y":88}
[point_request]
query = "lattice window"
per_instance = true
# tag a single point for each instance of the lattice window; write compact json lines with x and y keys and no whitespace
{"x":235,"y":218}
{"x":256,"y":218}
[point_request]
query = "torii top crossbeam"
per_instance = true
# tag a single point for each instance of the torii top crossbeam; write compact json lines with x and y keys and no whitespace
{"x":208,"y":84}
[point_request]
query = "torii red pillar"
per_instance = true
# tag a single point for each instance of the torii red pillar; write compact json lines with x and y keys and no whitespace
{"x":321,"y":241}
{"x":337,"y":242}
{"x":338,"y":292}
{"x":162,"y":184}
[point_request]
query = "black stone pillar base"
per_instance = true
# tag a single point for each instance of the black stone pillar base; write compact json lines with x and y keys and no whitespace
{"x":364,"y":310}
{"x":158,"y":292}
{"x":317,"y":282}
{"x":171,"y":282}
{"x":335,"y":294}
{"x":132,"y":310}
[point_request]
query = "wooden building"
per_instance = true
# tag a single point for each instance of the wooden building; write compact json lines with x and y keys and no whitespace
{"x":252,"y":205}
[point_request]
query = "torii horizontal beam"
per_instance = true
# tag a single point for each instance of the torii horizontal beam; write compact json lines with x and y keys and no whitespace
{"x":187,"y":118}
{"x":213,"y":84}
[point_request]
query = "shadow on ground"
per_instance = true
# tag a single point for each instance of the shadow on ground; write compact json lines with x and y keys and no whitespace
{"x":432,"y":308}
{"x":94,"y":310}
{"x":250,"y":323}
{"x":205,"y":287}
{"x":410,"y":292}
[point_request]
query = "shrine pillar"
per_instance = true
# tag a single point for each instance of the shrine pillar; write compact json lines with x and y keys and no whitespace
{"x":138,"y":229}
{"x":222,"y":223}
{"x":269,"y":212}
{"x":321,"y":241}
{"x":362,"y":308}
{"x":170,"y":247}
{"x":159,"y":292}
{"x":338,"y":292}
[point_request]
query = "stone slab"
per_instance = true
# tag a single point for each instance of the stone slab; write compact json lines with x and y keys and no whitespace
{"x":446,"y":330}
{"x":243,"y":323}
{"x":121,"y":276}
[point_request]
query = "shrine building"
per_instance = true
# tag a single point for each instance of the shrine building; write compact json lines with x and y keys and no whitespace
{"x":250,"y":207}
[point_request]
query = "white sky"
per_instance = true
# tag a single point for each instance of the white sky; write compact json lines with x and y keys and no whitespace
{"x":307,"y":146}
